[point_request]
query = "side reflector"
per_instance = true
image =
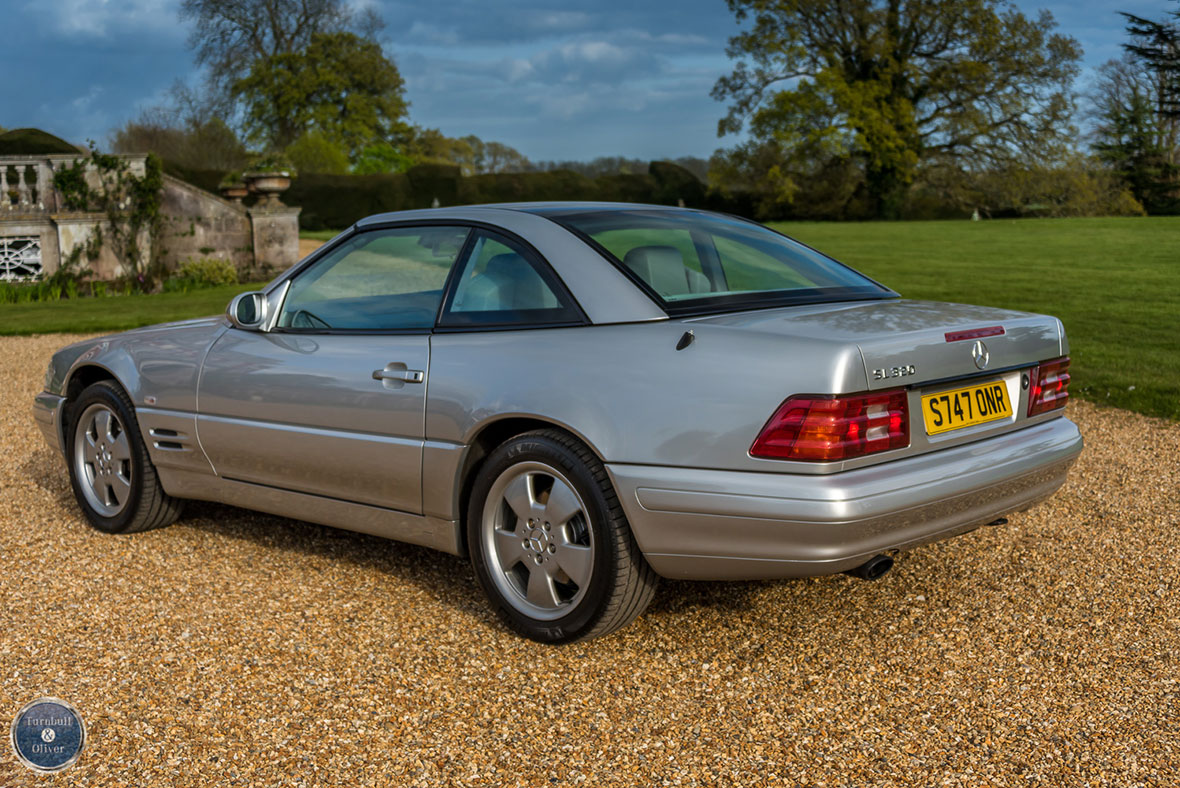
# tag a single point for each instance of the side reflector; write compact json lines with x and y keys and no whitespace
{"x":829,"y":429}
{"x":1049,"y":386}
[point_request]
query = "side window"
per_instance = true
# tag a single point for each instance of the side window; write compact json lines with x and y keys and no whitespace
{"x":501,"y":283}
{"x":666,"y":260}
{"x":381,"y":280}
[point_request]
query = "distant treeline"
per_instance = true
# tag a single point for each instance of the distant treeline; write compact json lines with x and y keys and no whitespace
{"x":332,"y":202}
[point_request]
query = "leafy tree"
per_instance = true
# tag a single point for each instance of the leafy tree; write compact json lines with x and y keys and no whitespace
{"x":1132,"y":136}
{"x":431,"y":146}
{"x":340,"y":85}
{"x":892,"y":86}
{"x":1136,"y":108}
{"x":229,"y":35}
{"x":1156,"y":45}
{"x":1072,"y":186}
{"x":493,"y":157}
{"x":315,"y":153}
{"x":382,"y":157}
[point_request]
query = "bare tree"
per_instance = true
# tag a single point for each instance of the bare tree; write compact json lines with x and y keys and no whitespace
{"x":230,"y":35}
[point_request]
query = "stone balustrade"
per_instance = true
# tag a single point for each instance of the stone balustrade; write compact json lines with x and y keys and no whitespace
{"x":26,"y":184}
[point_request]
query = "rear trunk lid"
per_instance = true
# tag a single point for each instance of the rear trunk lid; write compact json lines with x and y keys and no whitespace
{"x":927,"y":348}
{"x":912,"y":342}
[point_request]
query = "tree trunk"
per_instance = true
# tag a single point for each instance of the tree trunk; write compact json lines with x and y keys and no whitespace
{"x":886,"y":188}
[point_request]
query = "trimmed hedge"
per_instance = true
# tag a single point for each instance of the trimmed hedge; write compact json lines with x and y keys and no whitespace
{"x":332,"y":202}
{"x":34,"y":142}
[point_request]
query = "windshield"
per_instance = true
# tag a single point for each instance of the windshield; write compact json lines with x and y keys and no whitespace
{"x":700,"y":262}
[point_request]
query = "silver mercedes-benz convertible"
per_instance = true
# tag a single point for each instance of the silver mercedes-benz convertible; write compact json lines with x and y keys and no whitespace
{"x":581,"y":398}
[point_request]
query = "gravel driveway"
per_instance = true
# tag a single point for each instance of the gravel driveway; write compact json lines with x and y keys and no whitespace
{"x":243,"y":649}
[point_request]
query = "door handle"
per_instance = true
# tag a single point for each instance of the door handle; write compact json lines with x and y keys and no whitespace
{"x":403,"y":375}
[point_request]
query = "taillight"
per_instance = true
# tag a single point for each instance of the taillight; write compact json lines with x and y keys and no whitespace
{"x":1049,"y":386}
{"x":828,"y":429}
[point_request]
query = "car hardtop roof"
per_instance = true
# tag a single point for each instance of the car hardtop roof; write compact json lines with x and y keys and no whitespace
{"x":489,"y":210}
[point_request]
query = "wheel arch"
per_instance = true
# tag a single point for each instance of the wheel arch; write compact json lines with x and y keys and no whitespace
{"x":78,"y":379}
{"x":484,"y":441}
{"x":85,"y":375}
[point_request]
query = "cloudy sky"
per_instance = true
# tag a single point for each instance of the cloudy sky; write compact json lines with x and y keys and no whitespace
{"x":556,"y":80}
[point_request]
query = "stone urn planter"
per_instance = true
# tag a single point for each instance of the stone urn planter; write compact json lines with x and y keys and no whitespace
{"x":235,"y":192}
{"x":270,"y":185}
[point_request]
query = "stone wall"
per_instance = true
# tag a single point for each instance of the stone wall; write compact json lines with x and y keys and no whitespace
{"x":195,"y":223}
{"x":199,"y":224}
{"x":260,"y":241}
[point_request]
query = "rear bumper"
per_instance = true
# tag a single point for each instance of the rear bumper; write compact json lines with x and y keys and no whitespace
{"x":725,"y":525}
{"x":47,"y":413}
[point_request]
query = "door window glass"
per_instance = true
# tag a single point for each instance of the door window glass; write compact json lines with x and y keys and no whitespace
{"x":381,"y":280}
{"x":502,"y":283}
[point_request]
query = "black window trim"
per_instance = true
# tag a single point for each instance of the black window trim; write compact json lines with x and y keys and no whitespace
{"x":448,"y":286}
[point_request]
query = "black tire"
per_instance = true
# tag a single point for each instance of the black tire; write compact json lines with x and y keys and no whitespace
{"x":145,"y":505}
{"x":621,"y":583}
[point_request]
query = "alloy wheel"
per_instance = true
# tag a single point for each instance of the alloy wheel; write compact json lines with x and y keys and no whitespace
{"x":538,"y":540}
{"x":102,"y":460}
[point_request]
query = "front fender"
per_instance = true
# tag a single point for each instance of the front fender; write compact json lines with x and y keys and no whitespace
{"x":157,"y":366}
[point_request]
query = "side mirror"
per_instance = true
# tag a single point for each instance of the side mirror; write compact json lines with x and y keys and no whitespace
{"x":248,"y":311}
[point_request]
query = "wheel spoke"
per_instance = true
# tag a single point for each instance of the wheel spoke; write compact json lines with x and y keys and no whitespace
{"x":521,"y":496}
{"x":102,"y":424}
{"x":121,"y":447}
{"x":509,"y":551}
{"x":562,"y":505}
{"x":575,"y":560}
{"x":121,"y":485}
{"x":90,"y":450}
{"x":541,"y":591}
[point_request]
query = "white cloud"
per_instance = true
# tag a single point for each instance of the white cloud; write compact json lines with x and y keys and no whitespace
{"x":100,"y":18}
{"x":425,"y":33}
{"x":84,"y":102}
{"x":559,"y":21}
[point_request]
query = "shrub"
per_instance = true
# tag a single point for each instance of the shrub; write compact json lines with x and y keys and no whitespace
{"x":27,"y":292}
{"x":314,"y":152}
{"x":201,"y":273}
{"x":274,"y":161}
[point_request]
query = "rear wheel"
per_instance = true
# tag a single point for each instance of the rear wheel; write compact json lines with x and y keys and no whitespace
{"x":112,"y":476}
{"x":550,"y":543}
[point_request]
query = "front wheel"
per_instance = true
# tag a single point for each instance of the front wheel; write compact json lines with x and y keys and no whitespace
{"x":113,"y":478}
{"x":550,"y":543}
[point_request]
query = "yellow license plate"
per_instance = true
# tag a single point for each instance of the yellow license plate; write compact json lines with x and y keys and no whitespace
{"x":952,"y":410}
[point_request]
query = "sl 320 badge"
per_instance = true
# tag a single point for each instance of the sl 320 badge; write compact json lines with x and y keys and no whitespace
{"x":884,"y":373}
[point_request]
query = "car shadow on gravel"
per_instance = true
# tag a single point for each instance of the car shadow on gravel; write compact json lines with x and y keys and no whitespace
{"x":447,"y":578}
{"x":45,"y":468}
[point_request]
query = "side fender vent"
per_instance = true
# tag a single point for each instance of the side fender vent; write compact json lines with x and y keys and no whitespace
{"x":169,"y":440}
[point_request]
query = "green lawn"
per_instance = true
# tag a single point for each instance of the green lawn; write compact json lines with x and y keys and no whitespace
{"x":319,"y":235}
{"x":114,"y":313}
{"x":1115,"y":284}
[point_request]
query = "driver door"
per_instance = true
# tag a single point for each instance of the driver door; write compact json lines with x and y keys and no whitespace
{"x":331,"y":401}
